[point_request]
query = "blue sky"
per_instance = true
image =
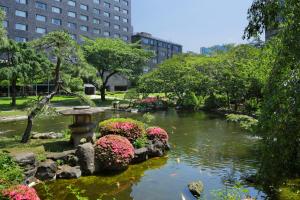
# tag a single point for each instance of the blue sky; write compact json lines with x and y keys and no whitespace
{"x":192,"y":23}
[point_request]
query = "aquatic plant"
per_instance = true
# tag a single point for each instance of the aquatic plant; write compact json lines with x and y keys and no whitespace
{"x":114,"y":152}
{"x":157,"y":133}
{"x":20,"y":192}
{"x":129,"y":128}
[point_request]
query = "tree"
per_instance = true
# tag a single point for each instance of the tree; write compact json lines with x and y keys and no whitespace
{"x":20,"y":61}
{"x":66,"y":56}
{"x":280,"y":118}
{"x":3,"y":36}
{"x":112,"y":56}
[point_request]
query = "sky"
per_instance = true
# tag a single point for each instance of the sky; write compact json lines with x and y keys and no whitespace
{"x":192,"y":23}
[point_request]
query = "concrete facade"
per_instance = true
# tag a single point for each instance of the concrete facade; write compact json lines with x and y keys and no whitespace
{"x":163,"y":49}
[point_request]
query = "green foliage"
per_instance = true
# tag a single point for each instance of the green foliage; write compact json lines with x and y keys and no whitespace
{"x":141,"y":142}
{"x":148,"y":118}
{"x":237,"y":192}
{"x":10,"y":171}
{"x":3,"y":34}
{"x":191,"y":101}
{"x":77,"y":193}
{"x":215,"y":101}
{"x":246,"y":122}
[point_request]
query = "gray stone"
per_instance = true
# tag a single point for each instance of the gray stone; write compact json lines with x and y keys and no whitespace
{"x":140,"y":155}
{"x":196,"y":188}
{"x":28,"y":163}
{"x":153,"y":151}
{"x":50,"y":135}
{"x":67,"y":157}
{"x":46,"y":170}
{"x":68,"y":172}
{"x":86,"y":158}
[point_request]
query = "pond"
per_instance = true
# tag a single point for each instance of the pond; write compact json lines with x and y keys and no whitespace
{"x":204,"y":147}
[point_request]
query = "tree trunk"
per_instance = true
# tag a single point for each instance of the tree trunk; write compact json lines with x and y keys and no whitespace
{"x":13,"y":91}
{"x":102,"y":93}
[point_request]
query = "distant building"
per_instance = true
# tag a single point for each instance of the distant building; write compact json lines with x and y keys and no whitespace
{"x":208,"y":51}
{"x":163,"y":49}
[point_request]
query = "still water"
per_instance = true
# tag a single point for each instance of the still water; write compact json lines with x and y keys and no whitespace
{"x":204,"y":147}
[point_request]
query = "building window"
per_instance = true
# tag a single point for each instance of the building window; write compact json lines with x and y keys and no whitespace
{"x":22,"y":27}
{"x":96,"y":11}
{"x":125,"y":20}
{"x":145,"y":40}
{"x":71,"y":14}
{"x":40,"y":5}
{"x":116,"y":35}
{"x":20,"y":13}
{"x":71,"y":25}
{"x":117,"y":1}
{"x":20,"y":39}
{"x":73,"y":36}
{"x":116,"y":8}
{"x":58,"y":0}
{"x":125,"y":3}
{"x":5,"y":24}
{"x":21,"y":1}
{"x":56,"y":21}
{"x":117,"y":18}
{"x":96,"y":31}
{"x":106,"y":33}
{"x":84,"y":7}
{"x":40,"y":18}
{"x":125,"y":38}
{"x":125,"y":29}
{"x":106,"y":14}
{"x":71,"y":3}
{"x":96,"y":21}
{"x":40,"y":30}
{"x":117,"y":27}
{"x":125,"y":11}
{"x":84,"y":28}
{"x":106,"y":24}
{"x":96,"y":1}
{"x":107,"y":5}
{"x":56,"y":10}
{"x":84,"y":17}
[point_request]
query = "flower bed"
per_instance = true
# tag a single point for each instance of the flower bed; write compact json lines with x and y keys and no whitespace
{"x":157,"y":133}
{"x":20,"y":192}
{"x":129,"y":128}
{"x":113,"y":152}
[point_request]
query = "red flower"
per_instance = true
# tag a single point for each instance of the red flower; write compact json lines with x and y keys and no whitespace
{"x":157,"y":133}
{"x":114,"y":152}
{"x":20,"y":192}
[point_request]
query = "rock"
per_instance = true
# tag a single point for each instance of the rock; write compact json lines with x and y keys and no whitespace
{"x":140,"y":155}
{"x":50,"y":135}
{"x":154,"y":152}
{"x":86,"y":158}
{"x":196,"y":188}
{"x":28,"y":163}
{"x":46,"y":170}
{"x":67,"y":157}
{"x":68,"y":172}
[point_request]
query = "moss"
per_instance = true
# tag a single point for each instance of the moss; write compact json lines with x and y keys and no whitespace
{"x":290,"y":190}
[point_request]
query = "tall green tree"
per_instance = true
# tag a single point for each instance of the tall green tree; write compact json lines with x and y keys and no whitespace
{"x":66,"y":57}
{"x":3,"y":34}
{"x":21,"y":62}
{"x":280,"y":118}
{"x":111,"y":57}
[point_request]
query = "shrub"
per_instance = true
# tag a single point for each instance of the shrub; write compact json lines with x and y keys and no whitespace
{"x":114,"y":152}
{"x":129,"y":128}
{"x":20,"y":192}
{"x":10,"y":172}
{"x":214,"y":102}
{"x":157,"y":133}
{"x":151,"y":103}
{"x":246,"y":122}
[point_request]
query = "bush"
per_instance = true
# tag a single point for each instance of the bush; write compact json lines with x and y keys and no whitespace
{"x":246,"y":122}
{"x":190,"y":101}
{"x":151,"y":103}
{"x":157,"y":133}
{"x":20,"y":192}
{"x":129,"y":128}
{"x":114,"y":152}
{"x":10,"y":172}
{"x":214,"y":102}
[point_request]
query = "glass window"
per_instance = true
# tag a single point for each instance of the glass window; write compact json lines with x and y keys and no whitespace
{"x":20,"y":13}
{"x":22,"y":27}
{"x":125,"y":38}
{"x":56,"y":21}
{"x":125,"y":2}
{"x":21,"y":1}
{"x":106,"y":24}
{"x":20,"y":39}
{"x":107,"y":5}
{"x":71,"y":14}
{"x":125,"y":11}
{"x":106,"y":33}
{"x":116,"y":8}
{"x":117,"y":27}
{"x":96,"y":31}
{"x":125,"y":20}
{"x":71,"y":25}
{"x":117,"y":18}
{"x":96,"y":11}
{"x":71,"y":3}
{"x":96,"y":1}
{"x":117,"y":1}
{"x":40,"y":5}
{"x":116,"y":35}
{"x":106,"y":14}
{"x":125,"y":29}
{"x":40,"y":18}
{"x":83,"y":7}
{"x":5,"y":24}
{"x":84,"y":17}
{"x":56,"y":9}
{"x":84,"y":28}
{"x":40,"y":30}
{"x":96,"y":21}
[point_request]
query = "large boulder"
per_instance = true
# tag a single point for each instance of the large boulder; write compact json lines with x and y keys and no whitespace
{"x":67,"y":157}
{"x":28,"y":163}
{"x":68,"y":172}
{"x":140,"y":155}
{"x":46,"y":170}
{"x":86,"y":158}
{"x":196,"y":188}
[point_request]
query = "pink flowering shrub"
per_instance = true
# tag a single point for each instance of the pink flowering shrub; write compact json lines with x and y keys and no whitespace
{"x":149,"y":100}
{"x":151,"y":103}
{"x":113,"y":152}
{"x":129,"y":128}
{"x":157,"y":133}
{"x":20,"y":192}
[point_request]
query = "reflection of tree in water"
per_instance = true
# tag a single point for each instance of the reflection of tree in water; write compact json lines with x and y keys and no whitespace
{"x":109,"y":185}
